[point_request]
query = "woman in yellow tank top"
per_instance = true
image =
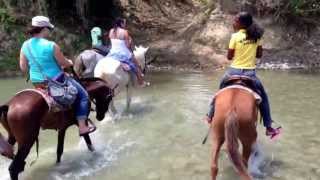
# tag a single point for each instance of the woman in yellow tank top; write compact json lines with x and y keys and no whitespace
{"x":244,"y":47}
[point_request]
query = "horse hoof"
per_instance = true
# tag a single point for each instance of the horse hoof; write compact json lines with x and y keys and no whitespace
{"x":91,"y":148}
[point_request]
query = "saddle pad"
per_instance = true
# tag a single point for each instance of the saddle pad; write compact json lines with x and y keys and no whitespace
{"x":255,"y":95}
{"x":52,"y":104}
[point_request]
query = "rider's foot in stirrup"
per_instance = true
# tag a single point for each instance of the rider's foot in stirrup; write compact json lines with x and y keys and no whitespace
{"x":144,"y":84}
{"x":207,"y":119}
{"x":272,"y":132}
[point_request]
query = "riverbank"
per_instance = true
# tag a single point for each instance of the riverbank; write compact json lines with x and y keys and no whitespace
{"x":204,"y":47}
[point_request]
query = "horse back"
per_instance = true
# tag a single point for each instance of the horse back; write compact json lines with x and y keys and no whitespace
{"x":30,"y":109}
{"x":111,"y":71}
{"x":238,"y":101}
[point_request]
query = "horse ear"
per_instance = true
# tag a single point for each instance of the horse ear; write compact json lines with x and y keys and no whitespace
{"x":146,"y":49}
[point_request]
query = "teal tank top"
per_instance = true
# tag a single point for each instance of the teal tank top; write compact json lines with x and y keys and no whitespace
{"x":96,"y":35}
{"x":43,"y":53}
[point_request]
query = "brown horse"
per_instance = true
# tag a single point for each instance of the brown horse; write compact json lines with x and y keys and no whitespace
{"x":27,"y":111}
{"x":235,"y":118}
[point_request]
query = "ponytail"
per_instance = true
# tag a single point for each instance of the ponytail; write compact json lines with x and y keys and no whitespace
{"x":253,"y":30}
{"x":119,"y":23}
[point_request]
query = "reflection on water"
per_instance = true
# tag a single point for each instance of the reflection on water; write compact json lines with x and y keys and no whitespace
{"x":160,"y":137}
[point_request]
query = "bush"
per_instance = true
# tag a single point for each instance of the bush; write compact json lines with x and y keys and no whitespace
{"x":5,"y":18}
{"x":291,"y":11}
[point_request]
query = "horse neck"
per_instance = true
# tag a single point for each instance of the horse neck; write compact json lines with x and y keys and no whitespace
{"x":95,"y":87}
{"x":140,"y":58}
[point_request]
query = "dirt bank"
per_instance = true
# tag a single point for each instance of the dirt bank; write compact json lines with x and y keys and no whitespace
{"x":180,"y":35}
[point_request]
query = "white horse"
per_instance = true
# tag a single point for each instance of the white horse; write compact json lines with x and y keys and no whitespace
{"x":112,"y":72}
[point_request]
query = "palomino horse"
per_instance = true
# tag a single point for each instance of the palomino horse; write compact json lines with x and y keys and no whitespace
{"x":111,"y":71}
{"x":86,"y":62}
{"x":235,"y":118}
{"x":27,"y":111}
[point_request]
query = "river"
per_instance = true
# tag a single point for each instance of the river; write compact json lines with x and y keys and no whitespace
{"x":160,"y":138}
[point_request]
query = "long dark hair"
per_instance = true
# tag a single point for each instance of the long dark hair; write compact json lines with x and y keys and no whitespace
{"x":32,"y":30}
{"x":118,"y":23}
{"x":253,"y":30}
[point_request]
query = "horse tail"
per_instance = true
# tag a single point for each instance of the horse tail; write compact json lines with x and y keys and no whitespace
{"x":231,"y":134}
{"x":3,"y":112}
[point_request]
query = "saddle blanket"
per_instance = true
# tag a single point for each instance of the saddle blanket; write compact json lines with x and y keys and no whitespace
{"x":52,"y":104}
{"x":255,"y":95}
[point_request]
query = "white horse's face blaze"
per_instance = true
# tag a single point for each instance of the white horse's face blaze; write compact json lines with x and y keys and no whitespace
{"x":140,"y":55}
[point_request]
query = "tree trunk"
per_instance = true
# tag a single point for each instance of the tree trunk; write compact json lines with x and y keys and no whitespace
{"x":82,"y":10}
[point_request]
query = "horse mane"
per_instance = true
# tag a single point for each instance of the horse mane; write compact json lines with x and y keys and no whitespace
{"x":91,"y":79}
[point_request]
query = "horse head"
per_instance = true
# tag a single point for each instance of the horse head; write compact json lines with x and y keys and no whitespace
{"x":140,"y":55}
{"x":100,"y":94}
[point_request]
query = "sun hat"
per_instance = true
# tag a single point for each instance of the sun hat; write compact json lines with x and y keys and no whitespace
{"x":41,"y":21}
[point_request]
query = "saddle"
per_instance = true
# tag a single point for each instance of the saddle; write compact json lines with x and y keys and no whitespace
{"x":245,"y":81}
{"x":101,"y":50}
{"x":241,"y":82}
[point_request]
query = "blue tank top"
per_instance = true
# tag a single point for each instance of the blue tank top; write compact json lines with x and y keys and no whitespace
{"x":43,"y":53}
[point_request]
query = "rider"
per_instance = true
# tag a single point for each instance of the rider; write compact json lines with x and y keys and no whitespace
{"x":244,"y":47}
{"x":121,"y":48}
{"x":47,"y":54}
{"x":97,"y":41}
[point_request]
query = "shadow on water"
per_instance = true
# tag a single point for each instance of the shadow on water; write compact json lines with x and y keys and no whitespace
{"x":139,"y":109}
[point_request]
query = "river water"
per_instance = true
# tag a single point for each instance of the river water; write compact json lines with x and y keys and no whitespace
{"x":160,"y":137}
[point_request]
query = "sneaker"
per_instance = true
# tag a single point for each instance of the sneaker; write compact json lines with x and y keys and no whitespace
{"x":273,"y":132}
{"x":144,"y":84}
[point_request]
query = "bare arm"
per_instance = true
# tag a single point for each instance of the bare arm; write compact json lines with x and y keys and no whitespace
{"x":259,"y":52}
{"x":61,"y":59}
{"x":230,"y":54}
{"x":128,"y":40}
{"x":23,"y":63}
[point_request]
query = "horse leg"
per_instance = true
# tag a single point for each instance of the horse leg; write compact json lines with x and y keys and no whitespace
{"x":248,"y":140}
{"x":216,"y":146}
{"x":61,"y":135}
{"x":18,"y":162}
{"x":255,"y":161}
{"x":88,"y":142}
{"x":129,"y":94}
{"x":246,"y":151}
{"x":112,"y":107}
